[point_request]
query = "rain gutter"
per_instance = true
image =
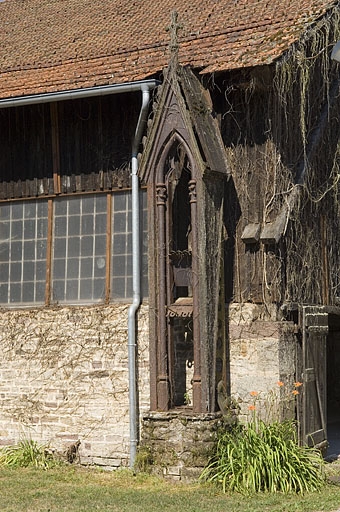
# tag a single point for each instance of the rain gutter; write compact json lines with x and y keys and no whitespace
{"x":76,"y":94}
{"x":144,"y":86}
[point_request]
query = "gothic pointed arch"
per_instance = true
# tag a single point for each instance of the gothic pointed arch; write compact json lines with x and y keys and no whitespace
{"x":184,"y":168}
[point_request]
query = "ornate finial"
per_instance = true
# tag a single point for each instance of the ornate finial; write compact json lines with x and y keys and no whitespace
{"x":174,"y":29}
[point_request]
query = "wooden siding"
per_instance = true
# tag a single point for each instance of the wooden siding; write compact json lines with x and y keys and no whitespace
{"x":26,"y":154}
{"x":76,"y":146}
{"x":273,"y":147}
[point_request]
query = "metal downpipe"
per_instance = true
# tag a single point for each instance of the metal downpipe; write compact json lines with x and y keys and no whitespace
{"x":136,"y":256}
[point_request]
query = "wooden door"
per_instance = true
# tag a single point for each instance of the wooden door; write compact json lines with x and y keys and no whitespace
{"x":314,"y":399}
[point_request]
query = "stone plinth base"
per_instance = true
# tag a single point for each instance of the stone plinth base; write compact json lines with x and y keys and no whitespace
{"x":178,"y":444}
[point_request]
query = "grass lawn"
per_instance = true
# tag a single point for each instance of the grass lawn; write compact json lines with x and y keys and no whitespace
{"x":79,"y":489}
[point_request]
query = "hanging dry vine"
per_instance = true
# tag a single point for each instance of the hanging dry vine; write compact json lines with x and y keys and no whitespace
{"x":280,"y":127}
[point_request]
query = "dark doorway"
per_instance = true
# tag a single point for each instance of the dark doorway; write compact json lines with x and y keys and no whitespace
{"x":333,"y":384}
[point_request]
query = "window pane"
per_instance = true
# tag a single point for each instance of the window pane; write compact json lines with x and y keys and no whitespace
{"x":120,"y":222}
{"x":72,"y":268}
{"x":100,"y":222}
{"x":41,"y":247}
{"x":85,"y":285}
{"x":40,"y":290}
{"x":17,"y":210}
{"x":4,"y":230}
{"x":100,"y":244}
{"x":60,"y":226}
{"x":41,"y":228}
{"x":58,"y":293}
{"x":118,"y":288}
{"x":5,"y":212}
{"x":86,"y":246}
{"x":16,"y":229}
{"x":29,"y":229}
{"x":29,"y":210}
{"x":121,"y":262}
{"x":40,"y":272}
{"x":59,"y":269}
{"x":29,"y":250}
{"x":23,"y":272}
{"x":120,"y":202}
{"x":72,"y":291}
{"x":99,"y":288}
{"x":60,"y":208}
{"x":99,"y":268}
{"x":87,"y":224}
{"x":16,"y":251}
{"x":15,"y":293}
{"x":74,"y":206}
{"x":101,"y":204}
{"x":119,"y":244}
{"x":28,"y":270}
{"x":88,"y":205}
{"x":59,"y":247}
{"x":79,"y":249}
{"x":4,"y":251}
{"x":73,"y":225}
{"x":73,"y":246}
{"x":28,"y":292}
{"x":15,"y":272}
{"x":118,"y":269}
{"x":3,"y":293}
{"x":86,"y":268}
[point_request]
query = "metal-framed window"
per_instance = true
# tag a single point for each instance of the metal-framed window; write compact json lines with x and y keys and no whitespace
{"x":121,"y":254}
{"x":23,"y":243}
{"x":79,"y":249}
{"x":69,"y":249}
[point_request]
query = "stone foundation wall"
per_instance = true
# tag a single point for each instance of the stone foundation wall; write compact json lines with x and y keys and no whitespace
{"x":64,"y":377}
{"x":262,"y":354}
{"x":178,"y":444}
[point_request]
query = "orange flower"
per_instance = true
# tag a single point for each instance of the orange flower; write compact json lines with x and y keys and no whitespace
{"x":295,"y":392}
{"x":253,"y":393}
{"x":251,"y":407}
{"x":297,"y":384}
{"x":280,"y":383}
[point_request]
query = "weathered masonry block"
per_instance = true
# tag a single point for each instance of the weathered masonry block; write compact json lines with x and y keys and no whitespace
{"x":179,"y":443}
{"x":262,"y":353}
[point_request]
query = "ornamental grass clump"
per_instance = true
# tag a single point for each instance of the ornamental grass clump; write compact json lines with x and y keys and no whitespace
{"x":28,"y":453}
{"x":264,"y":456}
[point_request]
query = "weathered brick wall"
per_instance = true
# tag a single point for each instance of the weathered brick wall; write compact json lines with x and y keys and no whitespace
{"x":262,"y":353}
{"x":64,"y":377}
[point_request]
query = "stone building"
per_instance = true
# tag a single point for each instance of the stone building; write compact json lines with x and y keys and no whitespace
{"x":169,"y":217}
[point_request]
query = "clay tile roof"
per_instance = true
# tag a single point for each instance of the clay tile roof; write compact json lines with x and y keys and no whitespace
{"x":54,"y":45}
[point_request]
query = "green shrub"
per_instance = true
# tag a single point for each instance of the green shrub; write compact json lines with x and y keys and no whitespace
{"x":144,"y":460}
{"x":264,"y":456}
{"x":28,"y":453}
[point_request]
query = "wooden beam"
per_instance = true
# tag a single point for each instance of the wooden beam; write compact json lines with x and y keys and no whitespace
{"x":108,"y":248}
{"x":55,"y":147}
{"x":49,"y":252}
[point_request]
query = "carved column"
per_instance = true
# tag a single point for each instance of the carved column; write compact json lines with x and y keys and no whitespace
{"x":197,"y":382}
{"x":162,"y":353}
